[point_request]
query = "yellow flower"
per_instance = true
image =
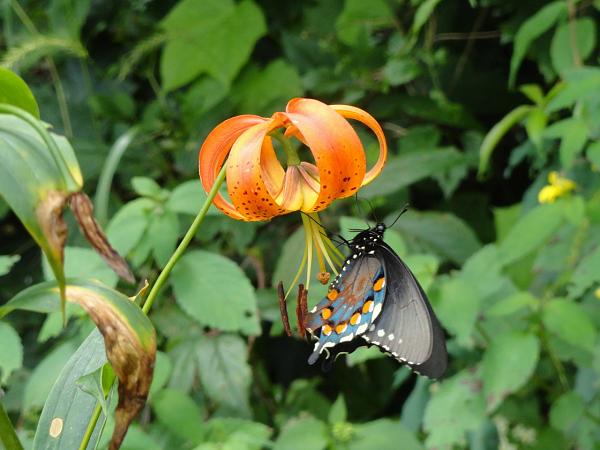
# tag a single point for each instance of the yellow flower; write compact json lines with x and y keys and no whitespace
{"x":597,"y":293}
{"x":557,"y":186}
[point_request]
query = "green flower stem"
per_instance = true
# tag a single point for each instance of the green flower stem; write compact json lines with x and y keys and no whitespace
{"x":189,"y":235}
{"x":61,"y":164}
{"x":8,"y":436}
{"x":292,"y":155}
{"x":161,"y":280}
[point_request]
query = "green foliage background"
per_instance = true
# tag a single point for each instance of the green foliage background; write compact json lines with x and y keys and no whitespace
{"x":509,"y":90}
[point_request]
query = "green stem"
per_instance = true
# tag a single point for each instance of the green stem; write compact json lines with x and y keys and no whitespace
{"x":8,"y":436}
{"x":91,"y":427}
{"x":60,"y":97}
{"x":292,"y":155}
{"x":61,"y":164}
{"x":189,"y":235}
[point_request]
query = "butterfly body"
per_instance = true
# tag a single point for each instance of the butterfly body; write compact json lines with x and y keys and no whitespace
{"x":376,"y":300}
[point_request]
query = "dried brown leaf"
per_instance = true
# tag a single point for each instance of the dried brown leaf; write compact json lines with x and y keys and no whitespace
{"x":83,"y":210}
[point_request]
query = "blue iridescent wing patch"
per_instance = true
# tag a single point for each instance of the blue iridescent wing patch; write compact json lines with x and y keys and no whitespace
{"x":354,"y":301}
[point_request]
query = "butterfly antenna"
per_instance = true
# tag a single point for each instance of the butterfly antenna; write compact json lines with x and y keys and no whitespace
{"x":400,"y":214}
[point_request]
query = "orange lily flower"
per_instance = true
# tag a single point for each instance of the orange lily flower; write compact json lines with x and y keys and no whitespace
{"x":259,"y":186}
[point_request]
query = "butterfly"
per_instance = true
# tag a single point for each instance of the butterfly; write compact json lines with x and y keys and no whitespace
{"x":376,"y":300}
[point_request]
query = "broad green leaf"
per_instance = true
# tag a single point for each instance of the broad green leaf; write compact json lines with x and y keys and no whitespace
{"x":407,"y":169}
{"x":36,"y":180}
{"x":423,"y":13}
{"x":302,"y":433}
{"x":586,"y":274}
{"x":228,"y":301}
{"x":127,"y":227}
{"x":188,"y":198}
{"x":413,"y":409}
{"x":459,"y":309}
{"x":162,"y":372}
{"x":164,"y":233}
{"x":512,"y":304}
{"x":219,"y":33}
{"x":456,"y":407}
{"x":224,"y":372}
{"x":566,"y":412}
{"x":593,"y":151}
{"x":233,"y":433}
{"x":45,"y":374}
{"x":6,"y":263}
{"x":530,"y":30}
{"x":358,"y":19}
{"x":535,"y":124}
{"x":68,"y":16}
{"x":579,"y":84}
{"x":507,"y":365}
{"x":573,"y":134}
{"x":264,"y":90}
{"x":530,"y":232}
{"x":84,"y":263}
{"x":569,"y":321}
{"x":401,"y":71}
{"x":68,"y":409}
{"x":440,"y":233}
{"x":383,"y":433}
{"x":338,"y":412}
{"x":14,"y":91}
{"x":11,"y":352}
{"x":179,"y":414}
{"x":561,"y":49}
{"x":496,"y":133}
{"x":146,"y":187}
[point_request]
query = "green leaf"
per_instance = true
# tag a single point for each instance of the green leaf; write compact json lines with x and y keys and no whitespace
{"x":11,"y":352}
{"x":530,"y":232}
{"x":14,"y":91}
{"x":407,"y":169}
{"x":535,"y":124}
{"x":36,"y":180}
{"x":530,"y":30}
{"x":6,"y":263}
{"x":127,"y":227}
{"x":400,"y":71}
{"x":459,"y":309}
{"x":164,"y":234}
{"x":566,"y":412}
{"x":218,"y":33}
{"x":490,"y":142}
{"x":579,"y":84}
{"x":224,"y":372}
{"x":264,"y":90}
{"x":561,"y":49}
{"x":302,"y":433}
{"x":146,"y":187}
{"x":593,"y":152}
{"x":569,"y":321}
{"x":512,"y":304}
{"x":68,"y":16}
{"x":573,"y":134}
{"x":338,"y":412}
{"x":423,"y":13}
{"x":68,"y":409}
{"x":441,"y":233}
{"x":507,"y":365}
{"x":383,"y":433}
{"x":233,"y":433}
{"x":162,"y":372}
{"x":456,"y":407}
{"x":358,"y":19}
{"x":188,"y":198}
{"x":84,"y":263}
{"x":413,"y":409}
{"x":228,"y":301}
{"x":585,"y":274}
{"x":179,"y":414}
{"x":45,"y":374}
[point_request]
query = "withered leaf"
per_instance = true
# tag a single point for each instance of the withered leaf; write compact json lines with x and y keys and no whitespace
{"x":83,"y":210}
{"x":130,"y":342}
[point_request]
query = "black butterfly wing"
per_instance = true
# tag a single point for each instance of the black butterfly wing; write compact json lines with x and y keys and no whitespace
{"x":407,"y":327}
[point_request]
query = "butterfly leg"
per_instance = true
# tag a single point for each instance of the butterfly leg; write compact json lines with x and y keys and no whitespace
{"x":283,"y":309}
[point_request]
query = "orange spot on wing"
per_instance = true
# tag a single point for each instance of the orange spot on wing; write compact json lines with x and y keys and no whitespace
{"x":367,"y":306}
{"x":355,"y":319}
{"x":326,"y":330}
{"x":339,"y":329}
{"x":332,"y":294}
{"x":326,"y":313}
{"x":379,"y":284}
